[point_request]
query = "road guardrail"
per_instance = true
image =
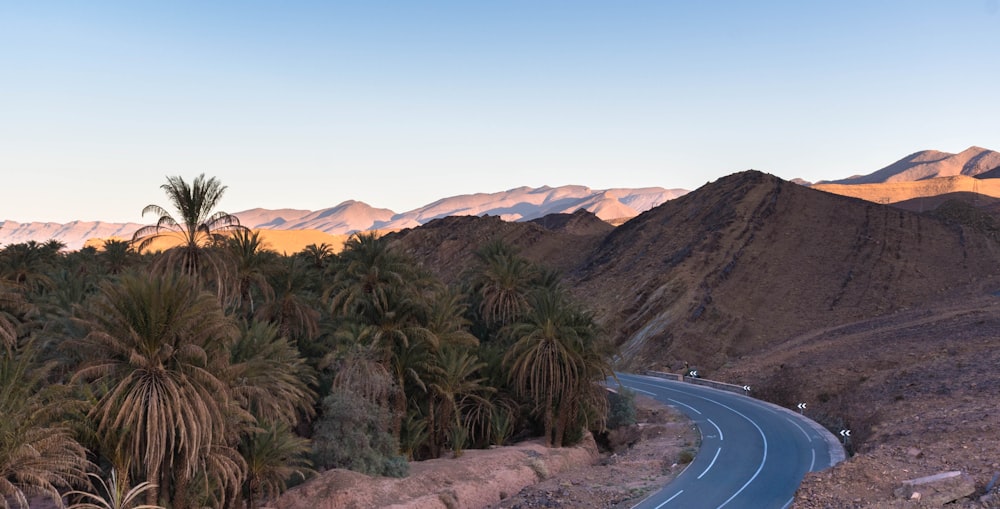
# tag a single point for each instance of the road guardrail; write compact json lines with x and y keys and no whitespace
{"x":738,"y":389}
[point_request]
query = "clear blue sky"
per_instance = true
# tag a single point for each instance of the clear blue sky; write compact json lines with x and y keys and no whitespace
{"x":306,"y":104}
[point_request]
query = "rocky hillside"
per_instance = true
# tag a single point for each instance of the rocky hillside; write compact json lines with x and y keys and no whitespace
{"x":882,"y":320}
{"x":559,"y":241}
{"x":750,"y":259}
{"x":735,"y":267}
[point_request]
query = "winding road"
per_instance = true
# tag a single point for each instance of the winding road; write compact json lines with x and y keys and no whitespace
{"x":753,"y":454}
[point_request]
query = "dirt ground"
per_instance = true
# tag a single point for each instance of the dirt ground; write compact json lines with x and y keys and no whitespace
{"x":526,"y":475}
{"x":662,"y":441}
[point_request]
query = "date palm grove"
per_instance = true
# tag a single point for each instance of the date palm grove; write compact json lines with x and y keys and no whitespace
{"x":213,"y":372}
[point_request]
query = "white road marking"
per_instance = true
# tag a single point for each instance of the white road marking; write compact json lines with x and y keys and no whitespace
{"x":712,"y":463}
{"x":665,"y":502}
{"x":763,"y":459}
{"x":644,"y":392}
{"x":717,"y":428}
{"x":693,"y":409}
{"x":751,"y":421}
{"x":813,"y":462}
{"x":789,"y":503}
{"x":800,"y":429}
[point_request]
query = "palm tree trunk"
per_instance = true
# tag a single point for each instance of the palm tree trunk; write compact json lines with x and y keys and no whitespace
{"x":435,"y":450}
{"x":548,"y":419}
{"x":252,"y":495}
{"x":181,"y":486}
{"x":400,"y":404}
{"x":562,"y":420}
{"x":153,"y":495}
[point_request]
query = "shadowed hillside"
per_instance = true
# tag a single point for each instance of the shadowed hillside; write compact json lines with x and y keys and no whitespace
{"x":558,"y":241}
{"x":749,"y":260}
{"x":735,"y":267}
{"x":883,"y":320}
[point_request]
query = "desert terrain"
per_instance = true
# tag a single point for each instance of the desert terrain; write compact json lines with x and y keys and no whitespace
{"x":881,"y":319}
{"x":632,"y":462}
{"x":876,"y":304}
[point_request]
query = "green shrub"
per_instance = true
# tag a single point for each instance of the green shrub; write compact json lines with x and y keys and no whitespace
{"x":621,"y":408}
{"x":353,"y":433}
{"x":686,"y":456}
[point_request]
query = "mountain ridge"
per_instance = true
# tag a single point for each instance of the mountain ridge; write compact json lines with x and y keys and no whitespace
{"x":517,"y":204}
{"x":927,"y":164}
{"x":934,"y":172}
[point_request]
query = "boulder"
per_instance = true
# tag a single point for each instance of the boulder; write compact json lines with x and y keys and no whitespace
{"x":938,"y":489}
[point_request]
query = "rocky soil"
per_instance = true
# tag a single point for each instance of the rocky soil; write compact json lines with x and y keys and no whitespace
{"x":526,"y":475}
{"x":662,"y":446}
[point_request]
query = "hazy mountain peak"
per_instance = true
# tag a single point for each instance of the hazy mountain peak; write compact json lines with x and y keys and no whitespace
{"x":927,"y":164}
{"x":517,"y":204}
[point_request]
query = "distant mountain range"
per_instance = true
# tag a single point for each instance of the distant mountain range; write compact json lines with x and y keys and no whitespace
{"x":525,"y":203}
{"x":928,"y":164}
{"x":519,"y":204}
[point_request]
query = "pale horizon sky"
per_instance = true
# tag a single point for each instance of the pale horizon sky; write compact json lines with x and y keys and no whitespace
{"x":307,"y":104}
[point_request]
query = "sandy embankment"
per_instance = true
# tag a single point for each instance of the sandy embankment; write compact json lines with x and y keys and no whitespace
{"x":476,"y":479}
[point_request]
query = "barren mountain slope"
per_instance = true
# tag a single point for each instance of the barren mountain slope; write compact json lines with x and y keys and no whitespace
{"x":932,"y":203}
{"x":882,"y":320}
{"x":558,"y":241}
{"x":917,"y":388}
{"x":922,"y":191}
{"x":750,"y":260}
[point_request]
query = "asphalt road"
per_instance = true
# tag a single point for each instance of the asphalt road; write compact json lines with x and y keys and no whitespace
{"x":753,"y":454}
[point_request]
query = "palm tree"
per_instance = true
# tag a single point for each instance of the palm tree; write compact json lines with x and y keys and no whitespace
{"x":382,"y":291}
{"x":406,"y":347}
{"x":117,"y":494}
{"x":369,"y":271}
{"x":446,"y":318}
{"x":268,"y":377}
{"x":502,"y":284}
{"x":273,"y":455}
{"x":319,"y":256}
{"x":116,"y":255}
{"x":160,"y":346}
{"x":550,"y":364}
{"x":252,"y":261}
{"x":38,"y":454}
{"x":26,"y":265}
{"x":361,"y":371}
{"x":196,"y":228}
{"x":13,"y":308}
{"x":456,"y":385}
{"x":293,"y":305}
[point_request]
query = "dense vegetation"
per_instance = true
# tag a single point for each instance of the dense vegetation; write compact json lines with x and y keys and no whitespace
{"x":216,"y":372}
